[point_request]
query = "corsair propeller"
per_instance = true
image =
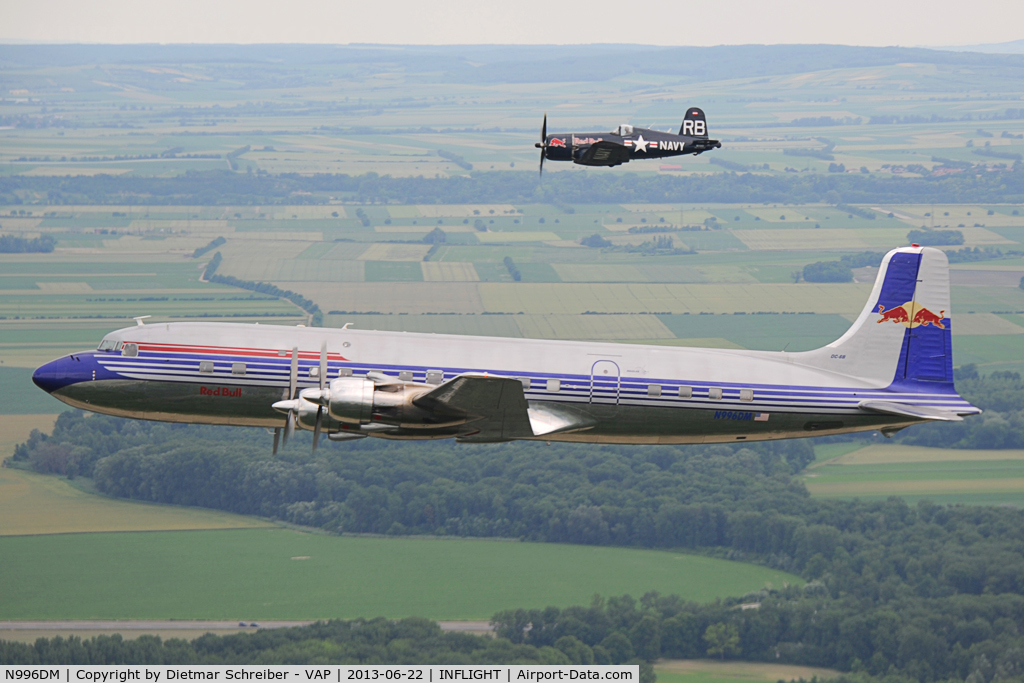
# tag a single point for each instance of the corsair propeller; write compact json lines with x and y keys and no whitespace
{"x":543,"y":144}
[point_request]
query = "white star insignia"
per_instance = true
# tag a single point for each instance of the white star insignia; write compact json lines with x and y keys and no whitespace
{"x":640,"y":145}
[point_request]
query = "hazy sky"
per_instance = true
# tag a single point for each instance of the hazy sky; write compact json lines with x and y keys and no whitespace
{"x":658,"y":22}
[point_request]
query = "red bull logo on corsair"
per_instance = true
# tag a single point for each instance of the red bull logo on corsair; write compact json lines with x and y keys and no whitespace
{"x":911,"y":314}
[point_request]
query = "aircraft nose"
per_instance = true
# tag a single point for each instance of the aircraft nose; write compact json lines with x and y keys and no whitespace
{"x":49,"y":377}
{"x":60,"y":373}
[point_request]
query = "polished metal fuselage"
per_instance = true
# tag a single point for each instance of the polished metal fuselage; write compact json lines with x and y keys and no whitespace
{"x":190,"y":372}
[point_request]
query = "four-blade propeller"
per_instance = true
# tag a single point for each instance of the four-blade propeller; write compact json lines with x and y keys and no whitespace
{"x":320,"y":407}
{"x":290,"y":404}
{"x":543,"y":144}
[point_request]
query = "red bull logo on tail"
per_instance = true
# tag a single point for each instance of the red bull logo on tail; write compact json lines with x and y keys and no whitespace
{"x":911,"y":314}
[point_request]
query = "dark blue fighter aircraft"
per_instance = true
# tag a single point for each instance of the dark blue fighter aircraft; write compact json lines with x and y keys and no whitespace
{"x":626,"y":143}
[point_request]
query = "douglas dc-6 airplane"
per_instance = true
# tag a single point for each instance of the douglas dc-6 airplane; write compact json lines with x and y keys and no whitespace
{"x":893,"y":368}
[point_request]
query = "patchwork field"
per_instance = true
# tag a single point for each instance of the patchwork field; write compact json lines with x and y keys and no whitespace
{"x":576,"y":299}
{"x":374,"y":270}
{"x":989,"y":477}
{"x":285,"y":574}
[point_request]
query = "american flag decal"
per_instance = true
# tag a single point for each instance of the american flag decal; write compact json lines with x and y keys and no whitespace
{"x":761,"y":417}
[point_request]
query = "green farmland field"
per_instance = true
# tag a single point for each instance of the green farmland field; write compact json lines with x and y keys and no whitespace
{"x":980,"y":477}
{"x":286,"y":574}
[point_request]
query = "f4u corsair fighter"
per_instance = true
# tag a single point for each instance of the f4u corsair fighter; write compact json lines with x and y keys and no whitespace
{"x":626,"y":143}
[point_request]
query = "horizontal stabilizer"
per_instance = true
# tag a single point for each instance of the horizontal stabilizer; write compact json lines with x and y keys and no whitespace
{"x":908,"y":410}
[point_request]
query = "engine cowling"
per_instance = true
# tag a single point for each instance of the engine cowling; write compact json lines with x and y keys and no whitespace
{"x":351,"y":400}
{"x":362,"y":400}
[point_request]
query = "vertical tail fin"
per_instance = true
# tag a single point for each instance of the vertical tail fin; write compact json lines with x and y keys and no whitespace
{"x":902,"y":338}
{"x":694,"y":123}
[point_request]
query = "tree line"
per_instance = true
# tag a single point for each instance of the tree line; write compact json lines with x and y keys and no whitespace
{"x":359,"y":641}
{"x":842,"y":270}
{"x":210,"y":275}
{"x":222,"y":187}
{"x":975,"y":639}
{"x":44,"y":244}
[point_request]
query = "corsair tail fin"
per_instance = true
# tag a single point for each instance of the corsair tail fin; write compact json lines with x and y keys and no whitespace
{"x":694,"y":123}
{"x":902,"y":339}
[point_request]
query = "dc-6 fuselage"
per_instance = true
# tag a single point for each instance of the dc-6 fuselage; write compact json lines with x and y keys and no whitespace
{"x":893,"y":368}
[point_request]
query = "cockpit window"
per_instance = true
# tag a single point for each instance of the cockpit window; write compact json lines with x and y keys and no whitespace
{"x":625,"y":129}
{"x":107,"y":345}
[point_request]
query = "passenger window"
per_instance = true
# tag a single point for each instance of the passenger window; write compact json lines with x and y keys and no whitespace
{"x":130,"y":350}
{"x":238,"y":368}
{"x":405,"y":375}
{"x":746,"y":394}
{"x":344,"y":372}
{"x":526,"y":383}
{"x":654,"y":390}
{"x":435,"y":376}
{"x":554,"y":385}
{"x":314,"y":372}
{"x":715,"y":393}
{"x":206,"y":367}
{"x":685,"y":392}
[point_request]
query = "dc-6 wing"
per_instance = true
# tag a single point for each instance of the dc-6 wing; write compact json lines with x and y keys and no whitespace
{"x":495,"y":406}
{"x":497,"y":409}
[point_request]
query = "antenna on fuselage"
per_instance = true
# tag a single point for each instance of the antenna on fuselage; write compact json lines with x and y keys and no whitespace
{"x":138,"y":320}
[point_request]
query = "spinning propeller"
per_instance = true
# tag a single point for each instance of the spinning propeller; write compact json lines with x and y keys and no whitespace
{"x":320,"y":407}
{"x":543,"y":144}
{"x":292,"y":403}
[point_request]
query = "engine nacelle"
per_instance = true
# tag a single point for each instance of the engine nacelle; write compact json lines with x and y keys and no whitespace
{"x":361,"y":401}
{"x":351,"y":400}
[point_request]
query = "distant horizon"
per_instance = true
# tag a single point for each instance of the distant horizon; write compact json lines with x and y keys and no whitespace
{"x":868,"y":23}
{"x":963,"y":47}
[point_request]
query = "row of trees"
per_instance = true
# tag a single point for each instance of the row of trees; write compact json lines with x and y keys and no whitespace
{"x":308,"y":305}
{"x":44,"y":244}
{"x":360,"y":641}
{"x":227,"y":188}
{"x":842,"y":270}
{"x":976,"y":639}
